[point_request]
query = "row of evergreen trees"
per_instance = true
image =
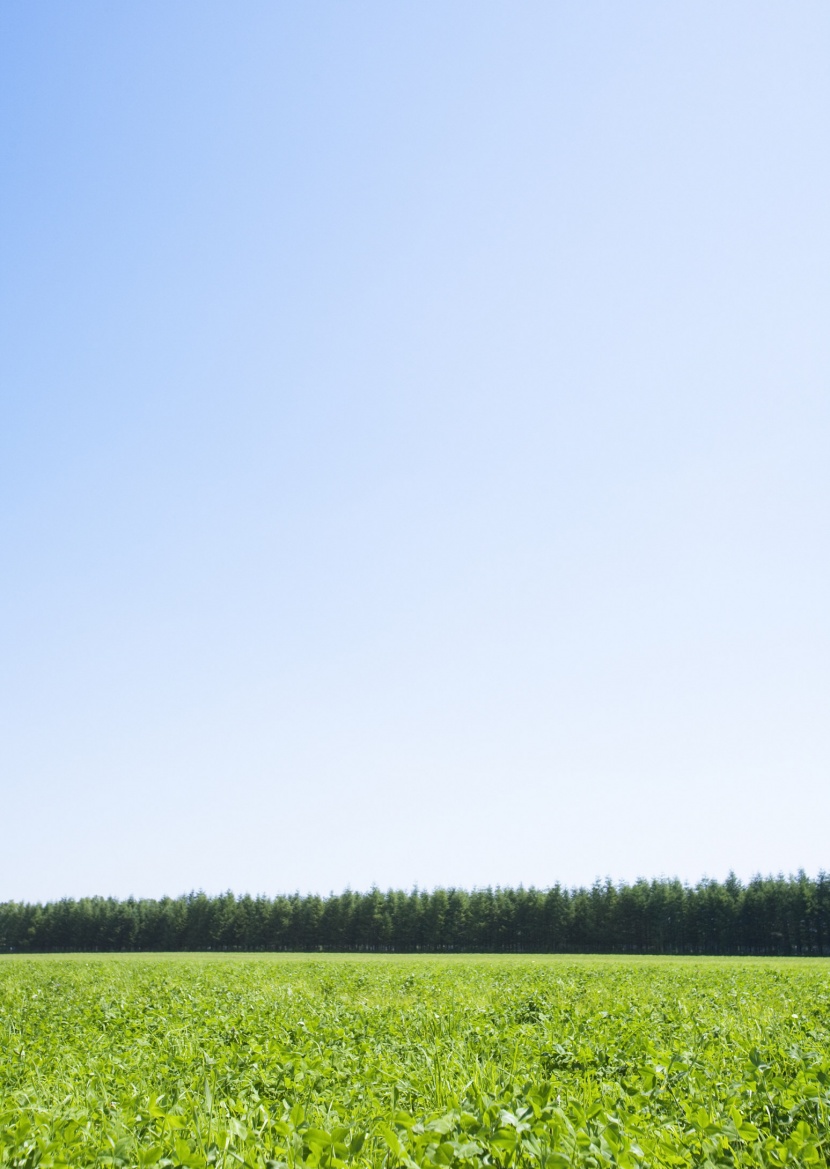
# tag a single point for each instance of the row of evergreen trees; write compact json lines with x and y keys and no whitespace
{"x":769,"y":915}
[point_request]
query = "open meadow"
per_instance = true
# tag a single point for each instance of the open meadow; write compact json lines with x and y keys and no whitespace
{"x":227,"y":1060}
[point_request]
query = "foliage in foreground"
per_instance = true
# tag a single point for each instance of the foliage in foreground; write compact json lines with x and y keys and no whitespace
{"x":400,"y":1063}
{"x":768,"y":916}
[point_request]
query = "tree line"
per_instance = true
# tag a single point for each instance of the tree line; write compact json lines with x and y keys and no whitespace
{"x":767,"y":916}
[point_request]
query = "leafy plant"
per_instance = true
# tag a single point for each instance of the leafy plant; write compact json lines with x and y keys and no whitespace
{"x":283,"y":1062}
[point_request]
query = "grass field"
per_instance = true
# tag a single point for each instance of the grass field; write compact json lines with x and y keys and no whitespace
{"x":269,"y":1060}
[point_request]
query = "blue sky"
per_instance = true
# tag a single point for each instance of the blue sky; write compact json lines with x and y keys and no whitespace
{"x":414,"y":444}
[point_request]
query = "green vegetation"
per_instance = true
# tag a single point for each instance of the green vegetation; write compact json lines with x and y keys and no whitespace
{"x":768,"y":916}
{"x":387,"y":1061}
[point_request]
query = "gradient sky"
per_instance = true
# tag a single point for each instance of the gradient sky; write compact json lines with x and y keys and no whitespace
{"x":414,"y":444}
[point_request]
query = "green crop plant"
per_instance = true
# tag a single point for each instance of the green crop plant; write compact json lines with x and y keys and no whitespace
{"x":400,"y":1062}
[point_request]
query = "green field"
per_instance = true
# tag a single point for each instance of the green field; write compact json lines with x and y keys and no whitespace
{"x":272,"y":1060}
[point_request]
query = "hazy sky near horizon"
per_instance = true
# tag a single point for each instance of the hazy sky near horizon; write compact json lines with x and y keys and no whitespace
{"x":414,"y":444}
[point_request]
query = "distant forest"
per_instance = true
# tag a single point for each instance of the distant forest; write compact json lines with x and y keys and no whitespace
{"x":772,"y":915}
{"x":767,"y":916}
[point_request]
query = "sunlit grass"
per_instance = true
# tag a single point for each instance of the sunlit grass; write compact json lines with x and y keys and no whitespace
{"x":184,"y":1060}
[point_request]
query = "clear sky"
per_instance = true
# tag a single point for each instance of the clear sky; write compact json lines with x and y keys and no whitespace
{"x":414,"y":443}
